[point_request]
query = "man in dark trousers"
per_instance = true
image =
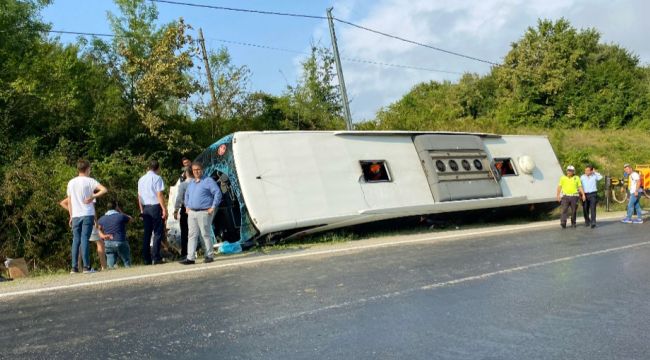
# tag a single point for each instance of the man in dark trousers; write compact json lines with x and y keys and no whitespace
{"x":153,"y":212}
{"x":589,"y":182}
{"x":569,"y":189}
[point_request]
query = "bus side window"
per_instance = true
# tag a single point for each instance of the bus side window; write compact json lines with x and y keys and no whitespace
{"x":375,"y":171}
{"x":505,"y":166}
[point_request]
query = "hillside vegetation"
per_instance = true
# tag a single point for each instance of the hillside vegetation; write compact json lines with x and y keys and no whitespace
{"x":555,"y":76}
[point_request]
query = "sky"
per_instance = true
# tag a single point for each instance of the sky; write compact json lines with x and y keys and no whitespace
{"x":483,"y":29}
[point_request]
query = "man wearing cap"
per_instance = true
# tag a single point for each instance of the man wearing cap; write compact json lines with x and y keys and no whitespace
{"x":633,"y":185}
{"x":589,"y":182}
{"x":568,"y":190}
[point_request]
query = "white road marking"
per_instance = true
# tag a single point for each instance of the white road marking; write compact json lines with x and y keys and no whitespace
{"x":275,"y":258}
{"x":453,"y":282}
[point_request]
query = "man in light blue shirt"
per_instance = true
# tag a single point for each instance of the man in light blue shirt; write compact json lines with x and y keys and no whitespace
{"x":152,"y":210}
{"x":589,"y":182}
{"x":202,"y":198}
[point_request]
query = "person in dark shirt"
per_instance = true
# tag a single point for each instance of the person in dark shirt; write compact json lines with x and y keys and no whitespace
{"x":112,"y":228}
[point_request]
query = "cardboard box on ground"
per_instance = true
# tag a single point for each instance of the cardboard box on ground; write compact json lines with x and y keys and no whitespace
{"x":17,"y":268}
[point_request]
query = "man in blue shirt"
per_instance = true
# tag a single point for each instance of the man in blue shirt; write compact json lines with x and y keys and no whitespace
{"x":202,"y":198}
{"x":112,"y":228}
{"x":152,"y":210}
{"x":589,"y":182}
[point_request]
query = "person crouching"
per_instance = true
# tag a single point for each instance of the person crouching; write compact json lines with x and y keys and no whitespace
{"x":112,"y":228}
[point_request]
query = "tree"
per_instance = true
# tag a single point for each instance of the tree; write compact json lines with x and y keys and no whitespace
{"x":476,"y":95}
{"x":314,"y":103}
{"x":154,"y":64}
{"x":427,"y":106}
{"x":21,"y":34}
{"x":559,"y":76}
{"x":231,"y":84}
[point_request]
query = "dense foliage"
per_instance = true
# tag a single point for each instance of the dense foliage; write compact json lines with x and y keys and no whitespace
{"x":135,"y":97}
{"x":120,"y":103}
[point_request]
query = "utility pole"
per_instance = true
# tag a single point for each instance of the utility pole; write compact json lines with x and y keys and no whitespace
{"x":213,"y":95}
{"x":339,"y":71}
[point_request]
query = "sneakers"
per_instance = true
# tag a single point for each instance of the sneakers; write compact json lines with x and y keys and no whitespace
{"x":186,"y":262}
{"x":208,"y":260}
{"x":593,"y":226}
{"x":89,"y":271}
{"x":626,"y":221}
{"x":74,"y":271}
{"x":563,"y":226}
{"x":637,"y":221}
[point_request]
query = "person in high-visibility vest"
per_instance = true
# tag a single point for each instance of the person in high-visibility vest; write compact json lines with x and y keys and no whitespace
{"x":569,"y":189}
{"x":633,"y":186}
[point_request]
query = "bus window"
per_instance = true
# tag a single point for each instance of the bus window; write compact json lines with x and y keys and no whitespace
{"x":505,"y":166}
{"x":375,"y":171}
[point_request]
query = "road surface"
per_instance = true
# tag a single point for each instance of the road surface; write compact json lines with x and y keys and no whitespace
{"x":538,"y":292}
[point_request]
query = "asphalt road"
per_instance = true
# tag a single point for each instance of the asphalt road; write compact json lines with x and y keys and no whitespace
{"x":538,"y":294}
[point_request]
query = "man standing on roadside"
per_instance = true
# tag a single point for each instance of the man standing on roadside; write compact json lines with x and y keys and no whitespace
{"x":202,"y":198}
{"x":589,"y":182}
{"x":82,"y":192}
{"x":633,"y":185}
{"x":153,"y":212}
{"x":568,"y":190}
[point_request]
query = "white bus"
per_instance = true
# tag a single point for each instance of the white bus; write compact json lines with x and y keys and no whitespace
{"x":280,"y":184}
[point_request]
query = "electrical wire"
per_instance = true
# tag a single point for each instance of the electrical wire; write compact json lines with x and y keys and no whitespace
{"x":416,"y":43}
{"x":79,"y":33}
{"x":431,"y":47}
{"x":240,"y":10}
{"x":356,"y":60}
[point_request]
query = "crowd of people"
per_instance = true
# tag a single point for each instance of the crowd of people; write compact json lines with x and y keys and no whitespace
{"x":198,"y":199}
{"x":571,"y":188}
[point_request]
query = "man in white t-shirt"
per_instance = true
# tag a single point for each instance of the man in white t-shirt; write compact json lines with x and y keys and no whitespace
{"x":82,"y":192}
{"x":633,"y":186}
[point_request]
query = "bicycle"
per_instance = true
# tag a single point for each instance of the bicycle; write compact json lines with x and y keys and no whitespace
{"x":618,"y":188}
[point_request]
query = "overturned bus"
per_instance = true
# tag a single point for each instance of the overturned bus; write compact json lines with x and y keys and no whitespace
{"x":280,"y":184}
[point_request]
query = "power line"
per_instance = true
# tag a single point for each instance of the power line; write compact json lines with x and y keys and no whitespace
{"x":416,"y":43}
{"x":379,"y":63}
{"x":258,"y":46}
{"x":79,"y":33}
{"x":356,"y":60}
{"x":337,"y":19}
{"x":240,"y":10}
{"x":324,"y":18}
